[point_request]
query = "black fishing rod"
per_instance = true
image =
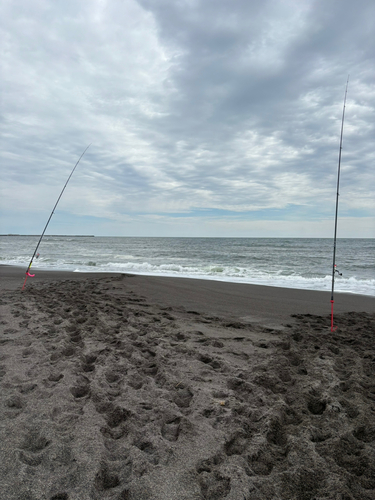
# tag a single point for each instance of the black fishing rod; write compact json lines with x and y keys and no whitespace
{"x":334,"y":269}
{"x":54,"y":208}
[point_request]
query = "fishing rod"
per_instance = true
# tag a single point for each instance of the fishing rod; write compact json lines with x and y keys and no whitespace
{"x":54,"y":208}
{"x":334,"y":268}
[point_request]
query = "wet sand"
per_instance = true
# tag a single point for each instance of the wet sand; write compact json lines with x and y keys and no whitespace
{"x":134,"y":387}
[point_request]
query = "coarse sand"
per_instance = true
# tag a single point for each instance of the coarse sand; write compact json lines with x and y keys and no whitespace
{"x":133,"y":387}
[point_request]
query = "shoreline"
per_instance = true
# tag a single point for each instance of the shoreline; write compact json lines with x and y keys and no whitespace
{"x":268,"y":305}
{"x":15,"y":271}
{"x":200,"y":278}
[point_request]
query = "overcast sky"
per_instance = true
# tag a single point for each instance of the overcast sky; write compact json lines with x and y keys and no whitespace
{"x":206,"y":117}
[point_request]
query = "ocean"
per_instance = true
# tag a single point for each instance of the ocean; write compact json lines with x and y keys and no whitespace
{"x":283,"y":262}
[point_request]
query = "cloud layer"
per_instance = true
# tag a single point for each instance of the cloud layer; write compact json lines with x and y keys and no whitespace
{"x":217,"y":118}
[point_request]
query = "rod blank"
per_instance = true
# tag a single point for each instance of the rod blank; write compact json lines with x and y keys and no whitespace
{"x":50,"y":217}
{"x":337,"y":207}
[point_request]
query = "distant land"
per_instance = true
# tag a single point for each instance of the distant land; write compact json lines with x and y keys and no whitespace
{"x":54,"y":235}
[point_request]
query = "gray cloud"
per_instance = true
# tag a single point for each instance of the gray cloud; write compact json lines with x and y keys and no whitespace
{"x":205,"y":109}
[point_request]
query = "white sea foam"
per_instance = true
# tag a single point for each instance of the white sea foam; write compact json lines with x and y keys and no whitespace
{"x":303,"y":264}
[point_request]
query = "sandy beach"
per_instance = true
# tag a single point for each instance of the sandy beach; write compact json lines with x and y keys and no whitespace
{"x":134,"y":387}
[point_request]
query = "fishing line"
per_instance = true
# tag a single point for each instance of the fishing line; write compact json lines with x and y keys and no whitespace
{"x":334,"y":268}
{"x":54,"y":208}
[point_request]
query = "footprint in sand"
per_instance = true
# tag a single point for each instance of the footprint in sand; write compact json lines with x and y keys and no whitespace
{"x":10,"y":331}
{"x":149,"y":450}
{"x":67,"y":351}
{"x":115,"y":433}
{"x":112,"y":377}
{"x":237,"y":444}
{"x":116,"y":415}
{"x":366,"y":434}
{"x":15,"y":402}
{"x":27,"y":388}
{"x":261,"y":463}
{"x":213,"y":484}
{"x":80,"y":391}
{"x":171,"y":429}
{"x":28,"y":459}
{"x":76,"y":339}
{"x":136,"y":381}
{"x":151,"y":369}
{"x":32,"y":447}
{"x":106,"y":478}
{"x":88,"y":362}
{"x":116,"y":418}
{"x":183,"y":397}
{"x":55,"y":377}
{"x":87,"y":367}
{"x":276,"y":433}
{"x":208,"y":360}
{"x":316,"y":406}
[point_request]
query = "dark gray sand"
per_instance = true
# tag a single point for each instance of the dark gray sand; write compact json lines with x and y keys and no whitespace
{"x":129,"y":387}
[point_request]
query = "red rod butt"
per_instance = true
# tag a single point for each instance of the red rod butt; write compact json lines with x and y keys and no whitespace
{"x":24,"y":283}
{"x":333,"y":328}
